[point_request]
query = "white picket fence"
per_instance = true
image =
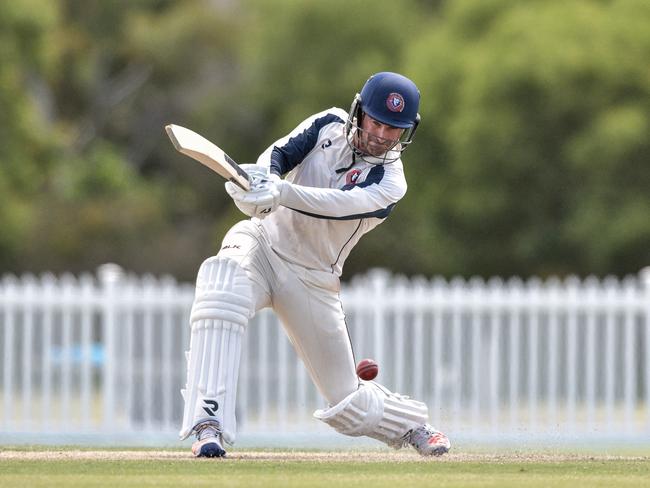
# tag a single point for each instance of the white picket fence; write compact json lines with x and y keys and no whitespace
{"x":104,"y":356}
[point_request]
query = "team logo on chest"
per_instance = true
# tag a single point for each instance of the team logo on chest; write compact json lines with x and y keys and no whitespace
{"x":352,"y":177}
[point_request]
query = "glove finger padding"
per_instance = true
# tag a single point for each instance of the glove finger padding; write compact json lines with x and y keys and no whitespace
{"x":257,"y":173}
{"x":262,"y":195}
{"x":259,"y":176}
{"x":261,"y":200}
{"x":233,"y":189}
{"x":251,"y":210}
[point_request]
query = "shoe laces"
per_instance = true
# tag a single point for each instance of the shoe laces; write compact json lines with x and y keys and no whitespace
{"x":208,"y":429}
{"x":422,"y":436}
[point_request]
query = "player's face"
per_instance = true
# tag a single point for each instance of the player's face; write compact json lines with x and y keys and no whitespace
{"x":376,"y":138}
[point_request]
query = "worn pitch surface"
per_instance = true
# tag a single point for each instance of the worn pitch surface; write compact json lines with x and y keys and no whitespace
{"x":53,"y":454}
{"x":125,"y":468}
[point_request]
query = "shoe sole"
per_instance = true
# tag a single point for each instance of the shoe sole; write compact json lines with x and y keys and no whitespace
{"x":211,"y":450}
{"x":440,"y":451}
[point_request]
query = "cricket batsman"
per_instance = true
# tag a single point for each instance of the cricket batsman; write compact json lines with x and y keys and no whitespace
{"x":315,"y":192}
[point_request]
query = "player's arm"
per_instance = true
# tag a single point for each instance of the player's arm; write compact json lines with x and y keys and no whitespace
{"x":375,"y":197}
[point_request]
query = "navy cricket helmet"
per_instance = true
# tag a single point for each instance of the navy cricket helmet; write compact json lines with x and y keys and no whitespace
{"x":391,"y":99}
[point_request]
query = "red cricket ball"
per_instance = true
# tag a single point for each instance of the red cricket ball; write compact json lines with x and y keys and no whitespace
{"x":367,"y":369}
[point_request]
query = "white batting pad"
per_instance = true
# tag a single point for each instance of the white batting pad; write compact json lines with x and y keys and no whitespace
{"x":221,"y":310}
{"x":376,"y":412}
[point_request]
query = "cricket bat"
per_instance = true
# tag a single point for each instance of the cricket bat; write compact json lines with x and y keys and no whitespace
{"x":205,"y":152}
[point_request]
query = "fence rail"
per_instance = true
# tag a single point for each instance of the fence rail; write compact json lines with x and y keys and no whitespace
{"x":105,"y":354}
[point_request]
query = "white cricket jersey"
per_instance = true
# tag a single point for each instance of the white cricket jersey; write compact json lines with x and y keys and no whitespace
{"x":335,"y":197}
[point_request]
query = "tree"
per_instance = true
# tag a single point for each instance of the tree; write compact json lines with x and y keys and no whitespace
{"x":531,"y":157}
{"x":90,"y":87}
{"x":25,"y":151}
{"x":536,"y":126}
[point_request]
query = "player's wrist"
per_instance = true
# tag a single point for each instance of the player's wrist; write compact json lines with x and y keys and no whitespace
{"x":282,"y":187}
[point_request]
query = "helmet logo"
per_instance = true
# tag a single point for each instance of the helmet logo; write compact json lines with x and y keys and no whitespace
{"x":395,"y":102}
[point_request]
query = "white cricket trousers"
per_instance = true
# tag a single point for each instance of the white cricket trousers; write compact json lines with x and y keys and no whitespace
{"x":308,"y":304}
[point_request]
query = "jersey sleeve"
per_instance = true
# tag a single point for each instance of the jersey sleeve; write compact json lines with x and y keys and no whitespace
{"x":288,"y":152}
{"x":375,"y":197}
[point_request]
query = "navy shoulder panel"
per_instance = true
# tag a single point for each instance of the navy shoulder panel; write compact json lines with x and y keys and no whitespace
{"x":291,"y":154}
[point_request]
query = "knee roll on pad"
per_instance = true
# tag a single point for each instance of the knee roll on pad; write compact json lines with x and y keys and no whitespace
{"x":221,"y":310}
{"x":376,"y":412}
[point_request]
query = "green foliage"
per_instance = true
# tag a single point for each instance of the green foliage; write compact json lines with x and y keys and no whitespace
{"x":532,"y":156}
{"x":521,"y":116}
{"x":320,"y":53}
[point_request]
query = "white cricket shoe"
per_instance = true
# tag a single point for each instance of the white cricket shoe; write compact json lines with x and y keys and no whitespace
{"x":208,"y":442}
{"x":428,"y":441}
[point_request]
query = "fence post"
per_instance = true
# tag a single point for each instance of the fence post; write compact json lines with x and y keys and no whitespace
{"x":109,"y":278}
{"x":8,"y":299}
{"x":644,"y":275}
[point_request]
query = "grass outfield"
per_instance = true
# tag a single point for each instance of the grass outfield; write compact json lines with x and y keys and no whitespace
{"x":47,"y":466}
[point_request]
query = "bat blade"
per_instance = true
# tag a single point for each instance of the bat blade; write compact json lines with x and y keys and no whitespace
{"x":197,"y":147}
